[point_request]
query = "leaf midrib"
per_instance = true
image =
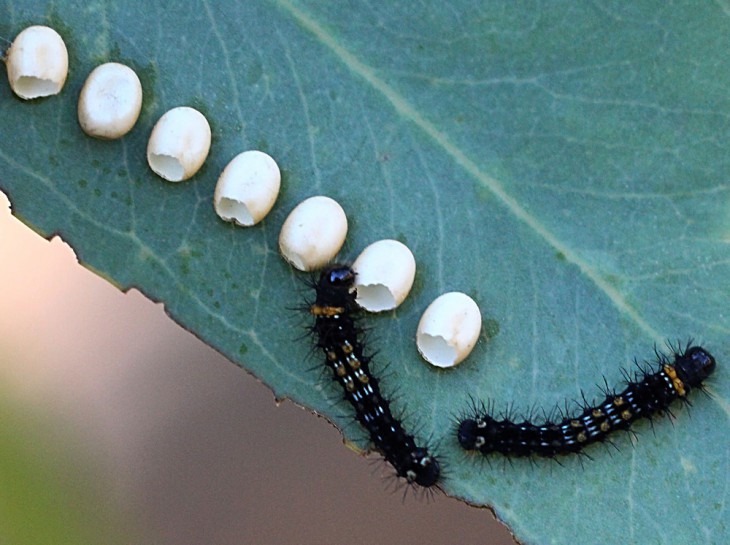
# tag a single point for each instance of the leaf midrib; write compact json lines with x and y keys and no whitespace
{"x":409,"y":112}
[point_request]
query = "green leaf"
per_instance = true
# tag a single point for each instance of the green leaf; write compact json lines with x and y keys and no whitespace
{"x":565,"y":164}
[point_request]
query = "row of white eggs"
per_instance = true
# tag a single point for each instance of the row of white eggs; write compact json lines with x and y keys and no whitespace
{"x":312,"y":235}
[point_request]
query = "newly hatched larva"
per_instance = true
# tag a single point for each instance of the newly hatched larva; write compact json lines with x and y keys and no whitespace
{"x":649,"y":392}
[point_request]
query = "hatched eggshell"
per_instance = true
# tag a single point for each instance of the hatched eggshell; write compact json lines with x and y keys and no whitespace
{"x":110,"y":101}
{"x":247,"y":188}
{"x":37,"y":63}
{"x":385,"y":273}
{"x":449,"y":329}
{"x":313,"y":233}
{"x":179,"y":144}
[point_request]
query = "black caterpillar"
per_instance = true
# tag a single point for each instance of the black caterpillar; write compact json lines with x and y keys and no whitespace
{"x":337,"y":334}
{"x":648,"y":393}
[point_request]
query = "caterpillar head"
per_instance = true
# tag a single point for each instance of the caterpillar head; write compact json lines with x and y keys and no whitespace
{"x":337,"y":276}
{"x":336,"y":286}
{"x":694,"y":365}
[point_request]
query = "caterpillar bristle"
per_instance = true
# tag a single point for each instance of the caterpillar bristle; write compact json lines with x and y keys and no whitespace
{"x":649,"y":392}
{"x":342,"y":339}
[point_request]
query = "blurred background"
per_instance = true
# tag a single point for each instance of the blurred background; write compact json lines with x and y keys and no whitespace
{"x":118,"y":426}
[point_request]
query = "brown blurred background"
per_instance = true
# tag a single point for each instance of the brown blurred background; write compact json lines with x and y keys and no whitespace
{"x":117,"y":426}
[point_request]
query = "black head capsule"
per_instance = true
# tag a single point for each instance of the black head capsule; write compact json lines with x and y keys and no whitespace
{"x":340,"y":275}
{"x":694,"y":365}
{"x":336,"y":285}
{"x":467,"y":434}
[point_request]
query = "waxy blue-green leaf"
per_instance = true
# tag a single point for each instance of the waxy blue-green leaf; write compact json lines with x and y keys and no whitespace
{"x":566,"y":164}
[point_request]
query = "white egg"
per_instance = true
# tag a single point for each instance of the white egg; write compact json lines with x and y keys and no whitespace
{"x":247,"y":188}
{"x":449,"y":329}
{"x":385,"y":273}
{"x":179,"y":144}
{"x":110,"y":101}
{"x":313,"y":233}
{"x":37,"y":63}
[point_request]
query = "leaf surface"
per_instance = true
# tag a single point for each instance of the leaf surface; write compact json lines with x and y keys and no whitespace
{"x":564,"y":164}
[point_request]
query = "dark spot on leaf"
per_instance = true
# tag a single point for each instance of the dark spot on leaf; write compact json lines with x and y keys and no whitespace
{"x":284,"y":179}
{"x":490,"y":329}
{"x":418,"y":283}
{"x":560,"y":256}
{"x":242,"y":349}
{"x":147,"y":74}
{"x":254,"y":73}
{"x":116,"y":52}
{"x":83,"y":183}
{"x":200,"y":104}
